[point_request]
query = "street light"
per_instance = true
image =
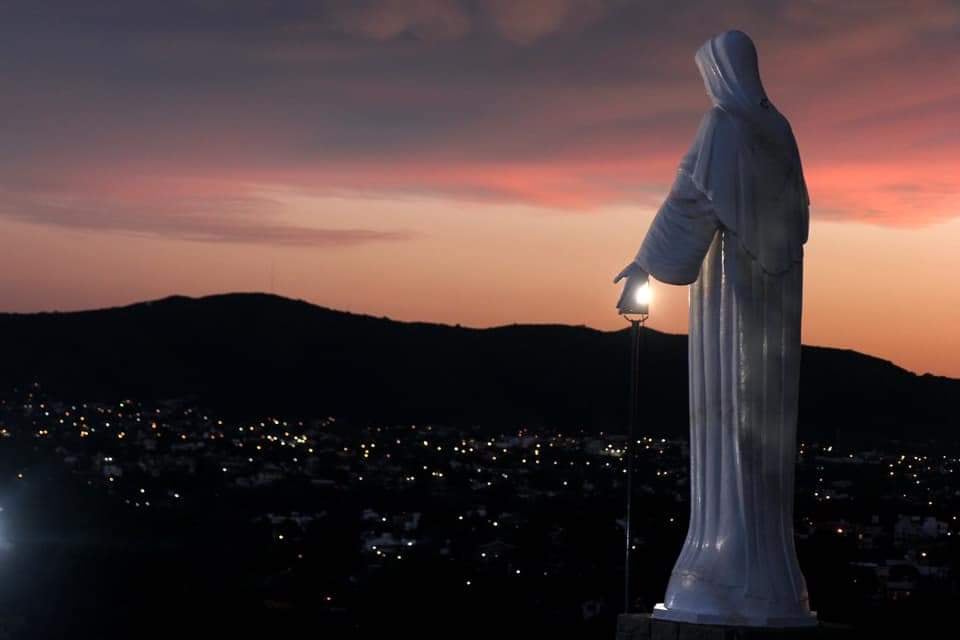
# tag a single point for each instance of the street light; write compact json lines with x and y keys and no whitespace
{"x":634,"y":306}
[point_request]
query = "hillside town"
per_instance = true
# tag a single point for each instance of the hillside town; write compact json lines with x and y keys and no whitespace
{"x":332,"y":520}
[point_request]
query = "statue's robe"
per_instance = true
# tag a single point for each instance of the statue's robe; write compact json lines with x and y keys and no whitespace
{"x":734,"y":225}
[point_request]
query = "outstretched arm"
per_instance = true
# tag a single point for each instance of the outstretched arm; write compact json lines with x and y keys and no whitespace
{"x":680,"y":235}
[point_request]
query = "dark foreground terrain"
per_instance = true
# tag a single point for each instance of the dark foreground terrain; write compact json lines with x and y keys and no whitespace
{"x":251,"y":466}
{"x":149,"y":520}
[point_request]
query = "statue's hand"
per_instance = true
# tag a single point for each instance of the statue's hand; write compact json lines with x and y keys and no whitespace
{"x":632,"y":270}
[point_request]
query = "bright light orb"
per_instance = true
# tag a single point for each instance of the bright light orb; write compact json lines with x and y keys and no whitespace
{"x":642,"y":295}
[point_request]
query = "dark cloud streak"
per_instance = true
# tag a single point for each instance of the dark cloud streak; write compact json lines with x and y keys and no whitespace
{"x":248,"y":220}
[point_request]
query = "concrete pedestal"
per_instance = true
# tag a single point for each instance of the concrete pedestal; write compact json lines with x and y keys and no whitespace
{"x":641,"y":626}
{"x":660,"y":612}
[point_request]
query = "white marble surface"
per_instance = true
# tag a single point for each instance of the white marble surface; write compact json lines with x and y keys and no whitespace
{"x":734,"y":226}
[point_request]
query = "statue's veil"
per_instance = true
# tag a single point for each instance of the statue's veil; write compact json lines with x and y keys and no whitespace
{"x":745,"y":157}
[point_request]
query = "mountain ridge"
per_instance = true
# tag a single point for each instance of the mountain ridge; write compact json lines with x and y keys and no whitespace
{"x":248,"y":352}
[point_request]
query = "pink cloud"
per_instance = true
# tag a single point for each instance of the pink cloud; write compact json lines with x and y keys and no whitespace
{"x":595,"y":107}
{"x":386,"y":19}
{"x":525,"y":21}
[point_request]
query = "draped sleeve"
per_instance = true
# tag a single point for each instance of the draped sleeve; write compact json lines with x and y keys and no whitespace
{"x":715,"y":164}
{"x":680,"y":235}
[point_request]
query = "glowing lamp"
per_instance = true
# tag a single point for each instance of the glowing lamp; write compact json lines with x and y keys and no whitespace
{"x":636,"y":297}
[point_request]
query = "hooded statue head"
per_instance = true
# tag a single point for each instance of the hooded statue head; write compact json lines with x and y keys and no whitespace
{"x":728,"y":64}
{"x":731,"y":75}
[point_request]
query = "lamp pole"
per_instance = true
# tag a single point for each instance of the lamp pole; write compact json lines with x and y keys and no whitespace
{"x":634,"y":307}
{"x":636,"y":324}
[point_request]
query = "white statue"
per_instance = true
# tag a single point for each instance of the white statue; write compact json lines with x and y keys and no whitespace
{"x":734,"y":225}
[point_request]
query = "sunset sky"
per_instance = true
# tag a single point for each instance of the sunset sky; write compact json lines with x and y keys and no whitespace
{"x":479,"y":162}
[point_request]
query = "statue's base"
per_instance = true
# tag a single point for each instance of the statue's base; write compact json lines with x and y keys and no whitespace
{"x":643,"y":626}
{"x":660,"y":612}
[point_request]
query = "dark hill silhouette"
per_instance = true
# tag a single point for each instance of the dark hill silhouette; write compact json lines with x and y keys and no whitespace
{"x":247,"y":353}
